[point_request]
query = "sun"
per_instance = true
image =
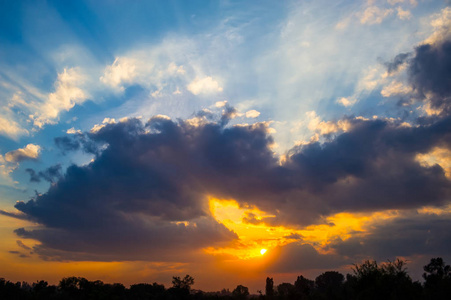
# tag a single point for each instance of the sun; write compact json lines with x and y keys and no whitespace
{"x":263,"y":251}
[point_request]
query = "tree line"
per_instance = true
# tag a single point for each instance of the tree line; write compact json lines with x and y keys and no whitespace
{"x":369,"y":280}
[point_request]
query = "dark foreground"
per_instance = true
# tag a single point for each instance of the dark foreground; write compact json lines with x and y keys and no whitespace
{"x":368,"y":281}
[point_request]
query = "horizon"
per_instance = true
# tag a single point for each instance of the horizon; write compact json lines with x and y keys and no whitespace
{"x":228,"y":140}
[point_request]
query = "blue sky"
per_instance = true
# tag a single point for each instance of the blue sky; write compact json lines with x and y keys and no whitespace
{"x":311,"y":73}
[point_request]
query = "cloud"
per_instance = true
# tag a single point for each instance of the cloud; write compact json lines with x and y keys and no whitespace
{"x":152,"y":178}
{"x":399,"y":60}
{"x":123,"y":70}
{"x":347,"y":101}
{"x":409,"y":235}
{"x":11,"y":128}
{"x":300,"y":256}
{"x":374,"y":15}
{"x":206,"y":85}
{"x":252,"y":113}
{"x":441,"y":24}
{"x":30,"y":152}
{"x":395,"y":88}
{"x":51,"y":174}
{"x":73,"y":131}
{"x":162,"y":70}
{"x":430,"y":73}
{"x":325,"y":128}
{"x":148,"y":184}
{"x":403,"y":14}
{"x":67,"y":94}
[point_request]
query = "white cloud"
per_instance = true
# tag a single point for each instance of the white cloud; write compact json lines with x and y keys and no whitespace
{"x":73,"y":131}
{"x":67,"y":94}
{"x":326,"y":127}
{"x":403,"y":14}
{"x":252,"y":113}
{"x":221,"y":103}
{"x":122,"y":70}
{"x":11,"y":128}
{"x":349,"y":101}
{"x":162,"y":69}
{"x":30,"y":151}
{"x":105,"y":121}
{"x":206,"y":85}
{"x":439,"y":156}
{"x":441,"y":24}
{"x":5,"y":171}
{"x":395,"y":88}
{"x":374,"y":15}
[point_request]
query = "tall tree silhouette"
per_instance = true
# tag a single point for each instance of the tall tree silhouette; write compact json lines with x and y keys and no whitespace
{"x":269,"y":288}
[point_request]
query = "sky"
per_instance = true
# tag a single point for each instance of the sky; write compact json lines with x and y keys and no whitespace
{"x":141,"y":140}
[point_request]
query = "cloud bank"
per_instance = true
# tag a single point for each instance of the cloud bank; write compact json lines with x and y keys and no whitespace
{"x":145,"y":194}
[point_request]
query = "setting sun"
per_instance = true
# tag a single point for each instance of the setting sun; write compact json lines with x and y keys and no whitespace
{"x":263,"y":251}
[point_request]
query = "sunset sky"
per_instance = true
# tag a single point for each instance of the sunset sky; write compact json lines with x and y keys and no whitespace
{"x":141,"y":140}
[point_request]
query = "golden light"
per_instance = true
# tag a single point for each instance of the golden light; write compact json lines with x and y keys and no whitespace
{"x":256,"y":236}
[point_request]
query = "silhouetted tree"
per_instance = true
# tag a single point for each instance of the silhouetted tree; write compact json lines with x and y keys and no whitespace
{"x":269,"y":288}
{"x":143,"y":291}
{"x":329,"y":285}
{"x":388,"y":281}
{"x":240,"y":292}
{"x":42,"y":290}
{"x":303,"y":287}
{"x":437,"y":279}
{"x":184,"y":283}
{"x":286,"y":291}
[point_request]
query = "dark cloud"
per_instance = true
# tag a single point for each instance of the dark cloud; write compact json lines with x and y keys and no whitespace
{"x":22,"y":245}
{"x":151,"y":176}
{"x":430,"y":73}
{"x":409,"y":235}
{"x":295,"y":257}
{"x":20,"y":254}
{"x":19,"y":216}
{"x":399,"y":59}
{"x":51,"y":174}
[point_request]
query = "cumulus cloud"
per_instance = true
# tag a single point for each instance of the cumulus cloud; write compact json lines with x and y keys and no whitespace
{"x":252,"y":113}
{"x":30,"y":152}
{"x":152,"y":181}
{"x":73,"y":131}
{"x":441,"y":23}
{"x":122,"y":70}
{"x":206,"y":85}
{"x":67,"y":94}
{"x":430,"y":73}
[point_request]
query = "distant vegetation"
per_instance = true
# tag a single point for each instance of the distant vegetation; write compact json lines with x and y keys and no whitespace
{"x":369,"y":281}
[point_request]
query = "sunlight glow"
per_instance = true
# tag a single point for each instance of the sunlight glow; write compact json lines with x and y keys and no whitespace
{"x":256,"y":235}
